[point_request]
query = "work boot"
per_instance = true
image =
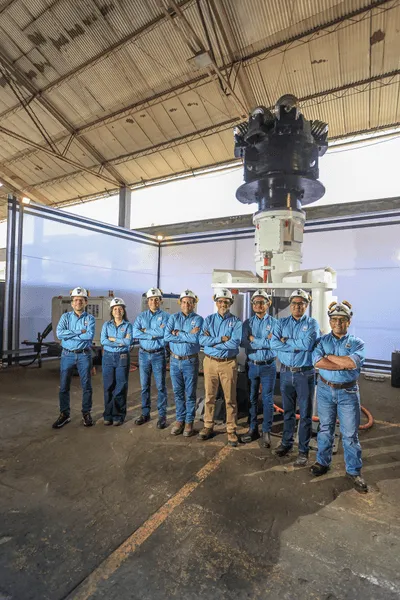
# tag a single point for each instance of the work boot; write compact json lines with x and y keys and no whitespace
{"x":282,"y":450}
{"x":189,"y":431}
{"x":206,"y":433}
{"x":62,"y":420}
{"x":87,"y":420}
{"x":358,"y":483}
{"x":266,"y":440}
{"x":233,"y":439}
{"x":301,"y":460}
{"x":162,"y":423}
{"x":142,"y":419}
{"x":317,"y":470}
{"x":250,"y":436}
{"x":178,"y":428}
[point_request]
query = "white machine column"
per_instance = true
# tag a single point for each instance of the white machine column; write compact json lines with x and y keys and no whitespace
{"x":278,"y":239}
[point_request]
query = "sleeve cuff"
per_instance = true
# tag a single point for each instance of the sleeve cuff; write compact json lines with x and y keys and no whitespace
{"x":356,"y":359}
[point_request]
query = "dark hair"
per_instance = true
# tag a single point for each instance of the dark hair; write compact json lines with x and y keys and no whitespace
{"x":125,"y":315}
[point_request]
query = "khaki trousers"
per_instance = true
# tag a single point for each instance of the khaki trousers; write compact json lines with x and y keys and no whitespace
{"x":225,"y":373}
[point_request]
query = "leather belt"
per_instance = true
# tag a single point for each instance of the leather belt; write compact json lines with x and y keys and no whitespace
{"x":295,"y":369}
{"x":221,"y":359}
{"x":152,"y":351}
{"x":339,"y":386}
{"x":184,"y":357}
{"x":84,"y":350}
{"x":261,"y":362}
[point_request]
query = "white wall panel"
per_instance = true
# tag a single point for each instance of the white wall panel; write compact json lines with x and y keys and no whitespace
{"x":367,"y":262}
{"x":191,"y":266}
{"x":57,"y":257}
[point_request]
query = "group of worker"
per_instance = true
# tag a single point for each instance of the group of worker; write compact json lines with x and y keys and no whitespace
{"x":295,"y":340}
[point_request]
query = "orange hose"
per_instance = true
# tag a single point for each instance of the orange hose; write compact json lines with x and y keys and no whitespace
{"x":367,"y":425}
{"x":265,"y":272}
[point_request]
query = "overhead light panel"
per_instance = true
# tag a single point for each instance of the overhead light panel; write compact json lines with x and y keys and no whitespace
{"x":201,"y":61}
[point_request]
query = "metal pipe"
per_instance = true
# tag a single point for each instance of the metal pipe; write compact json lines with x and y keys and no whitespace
{"x":159,"y":265}
{"x":18,"y":271}
{"x":9,"y":292}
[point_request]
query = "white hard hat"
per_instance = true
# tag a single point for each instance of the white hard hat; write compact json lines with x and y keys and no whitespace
{"x":340,"y":309}
{"x":154,"y":293}
{"x":117,"y":302}
{"x":301,"y":294}
{"x":79,"y":291}
{"x":262,"y":293}
{"x":188,"y":294}
{"x":223,"y":293}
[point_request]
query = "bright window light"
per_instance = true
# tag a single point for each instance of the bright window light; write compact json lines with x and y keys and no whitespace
{"x":26,"y":200}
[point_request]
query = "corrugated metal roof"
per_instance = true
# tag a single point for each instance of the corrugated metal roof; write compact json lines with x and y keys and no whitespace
{"x":118,"y":75}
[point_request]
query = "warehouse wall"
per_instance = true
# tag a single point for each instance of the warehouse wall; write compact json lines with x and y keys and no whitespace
{"x":61,"y":251}
{"x":364,"y":250}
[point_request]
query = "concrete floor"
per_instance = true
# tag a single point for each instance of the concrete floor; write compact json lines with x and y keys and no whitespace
{"x":134,"y":513}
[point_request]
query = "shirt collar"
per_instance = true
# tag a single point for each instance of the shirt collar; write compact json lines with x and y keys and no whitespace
{"x":299,"y":320}
{"x":84,"y":314}
{"x":226,"y":316}
{"x":342,"y":339}
{"x":266,"y":316}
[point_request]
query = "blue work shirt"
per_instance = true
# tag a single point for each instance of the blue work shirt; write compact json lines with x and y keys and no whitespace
{"x":217,"y":327}
{"x":302,"y":335}
{"x":260,"y":347}
{"x":348,"y":345}
{"x":69,"y":330}
{"x":122,"y":334}
{"x":185,"y":343}
{"x":154,"y":323}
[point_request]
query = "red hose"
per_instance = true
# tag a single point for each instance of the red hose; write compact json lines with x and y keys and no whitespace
{"x":366,"y":412}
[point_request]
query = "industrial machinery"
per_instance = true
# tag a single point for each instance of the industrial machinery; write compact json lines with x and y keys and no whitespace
{"x":280,"y":150}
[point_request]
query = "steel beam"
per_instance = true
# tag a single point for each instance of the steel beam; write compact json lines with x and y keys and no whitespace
{"x":49,"y":152}
{"x":124,"y":214}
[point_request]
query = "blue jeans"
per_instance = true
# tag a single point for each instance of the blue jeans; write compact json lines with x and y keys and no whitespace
{"x":265,"y":376}
{"x":184,"y":375}
{"x":115,"y":383}
{"x":153,"y":363}
{"x":83,"y":362}
{"x":298,"y":387}
{"x":344,"y":404}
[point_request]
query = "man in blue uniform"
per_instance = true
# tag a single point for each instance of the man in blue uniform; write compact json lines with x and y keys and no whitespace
{"x":339,"y":357}
{"x":221,"y":336}
{"x":76,"y":330}
{"x":182,"y":333}
{"x":261,"y":367}
{"x":149,"y":329}
{"x":294,"y":339}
